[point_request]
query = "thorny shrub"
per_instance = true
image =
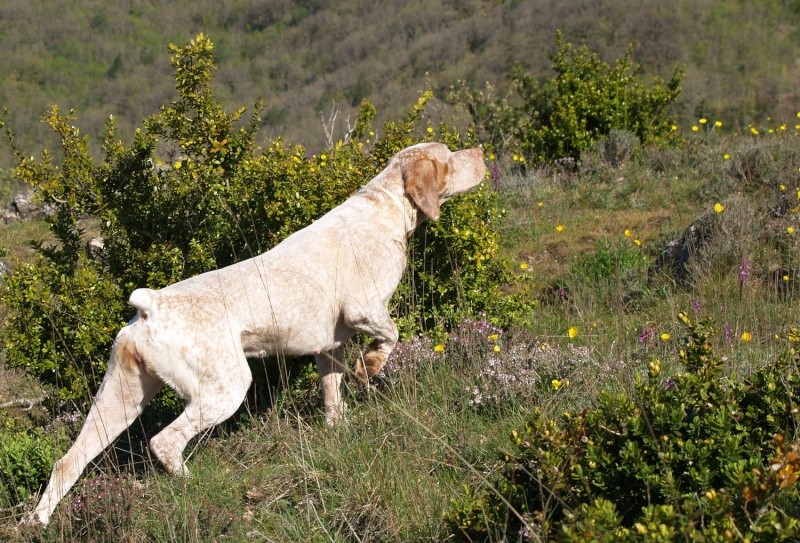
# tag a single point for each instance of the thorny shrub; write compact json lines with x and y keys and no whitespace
{"x":565,"y":115}
{"x":697,"y":456}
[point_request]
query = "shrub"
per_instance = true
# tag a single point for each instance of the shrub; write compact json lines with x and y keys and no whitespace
{"x":566,"y":114}
{"x":692,"y":457}
{"x":193,"y":192}
{"x":26,"y":458}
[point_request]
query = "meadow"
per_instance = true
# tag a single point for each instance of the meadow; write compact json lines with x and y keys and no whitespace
{"x":469,"y":430}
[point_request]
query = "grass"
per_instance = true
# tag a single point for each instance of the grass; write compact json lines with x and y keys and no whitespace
{"x":438,"y":421}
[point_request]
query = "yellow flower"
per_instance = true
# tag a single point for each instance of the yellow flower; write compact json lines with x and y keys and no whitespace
{"x":726,"y":156}
{"x":719,"y":208}
{"x":628,"y":233}
{"x":491,"y":156}
{"x":556,"y":384}
{"x":560,"y":228}
{"x":637,"y":242}
{"x":496,"y":348}
{"x":695,"y":128}
{"x":703,"y":121}
{"x":718,"y":124}
{"x":539,"y":204}
{"x":782,"y":187}
{"x":674,"y":127}
{"x":493,"y":337}
{"x":754,"y":130}
{"x":790,"y":229}
{"x":746,"y":337}
{"x":785,"y":278}
{"x":665,"y":336}
{"x":430,"y":130}
{"x":439,"y":348}
{"x":572,"y":332}
{"x":523,"y":266}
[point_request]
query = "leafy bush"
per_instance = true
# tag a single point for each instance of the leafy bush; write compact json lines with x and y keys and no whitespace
{"x":26,"y":458}
{"x":565,"y":115}
{"x":692,"y":457}
{"x":193,"y":192}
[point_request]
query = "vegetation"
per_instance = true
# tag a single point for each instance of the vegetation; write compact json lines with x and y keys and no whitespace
{"x":307,"y":58}
{"x":560,"y":402}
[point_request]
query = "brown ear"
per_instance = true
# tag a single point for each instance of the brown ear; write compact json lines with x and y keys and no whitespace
{"x":424,"y":181}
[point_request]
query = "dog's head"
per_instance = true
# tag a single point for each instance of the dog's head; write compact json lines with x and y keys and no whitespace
{"x":432,"y":174}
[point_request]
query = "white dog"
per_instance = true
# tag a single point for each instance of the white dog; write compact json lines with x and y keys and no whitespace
{"x":309,"y":294}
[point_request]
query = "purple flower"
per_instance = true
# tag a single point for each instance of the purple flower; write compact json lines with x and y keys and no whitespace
{"x":744,"y":271}
{"x":727,"y":332}
{"x":646,"y":334}
{"x":495,"y":174}
{"x":696,"y":305}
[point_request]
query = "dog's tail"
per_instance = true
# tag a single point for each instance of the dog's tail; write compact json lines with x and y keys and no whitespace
{"x":145,"y":301}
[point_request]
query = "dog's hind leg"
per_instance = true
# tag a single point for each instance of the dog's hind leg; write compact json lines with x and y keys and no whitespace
{"x":217,"y":396}
{"x":126,"y":388}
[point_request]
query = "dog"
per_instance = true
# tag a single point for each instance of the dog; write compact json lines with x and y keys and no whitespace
{"x":308,"y":295}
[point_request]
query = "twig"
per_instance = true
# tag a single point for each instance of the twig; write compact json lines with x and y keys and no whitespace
{"x":26,"y":403}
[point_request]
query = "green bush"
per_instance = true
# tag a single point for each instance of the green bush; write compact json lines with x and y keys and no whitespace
{"x":26,"y":457}
{"x":693,"y":457}
{"x":194,"y":192}
{"x":565,"y":115}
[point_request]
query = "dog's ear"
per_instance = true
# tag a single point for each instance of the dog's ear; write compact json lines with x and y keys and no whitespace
{"x":424,"y":182}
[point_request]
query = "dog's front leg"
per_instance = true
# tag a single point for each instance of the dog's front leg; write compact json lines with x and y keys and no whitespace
{"x":379,"y":326}
{"x":330,"y":367}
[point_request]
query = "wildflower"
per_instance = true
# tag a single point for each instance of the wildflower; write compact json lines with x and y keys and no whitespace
{"x":754,"y":130}
{"x":703,"y":121}
{"x":674,"y":127}
{"x":493,"y":337}
{"x":790,"y":229}
{"x":556,"y":384}
{"x":539,"y":204}
{"x":718,"y":124}
{"x":496,"y":348}
{"x":430,"y":130}
{"x":719,"y":208}
{"x":785,"y":277}
{"x":744,"y":272}
{"x":637,"y":242}
{"x":696,"y":305}
{"x":523,"y":266}
{"x":560,"y":228}
{"x":628,"y":233}
{"x":646,"y":334}
{"x":726,"y":156}
{"x":782,"y":188}
{"x":695,"y":128}
{"x":572,"y":332}
{"x":439,"y":348}
{"x":746,"y":337}
{"x":491,"y":156}
{"x":665,"y":336}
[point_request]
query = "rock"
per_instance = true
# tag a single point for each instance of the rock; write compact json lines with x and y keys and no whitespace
{"x":94,"y":249}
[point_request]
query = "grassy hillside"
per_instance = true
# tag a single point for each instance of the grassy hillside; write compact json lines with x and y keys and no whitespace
{"x":308,"y":58}
{"x":439,"y":420}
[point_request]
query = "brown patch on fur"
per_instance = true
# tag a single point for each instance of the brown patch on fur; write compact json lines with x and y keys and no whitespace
{"x":128,"y":356}
{"x":424,"y":182}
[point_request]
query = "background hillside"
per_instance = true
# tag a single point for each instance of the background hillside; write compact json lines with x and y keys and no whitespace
{"x":308,"y":57}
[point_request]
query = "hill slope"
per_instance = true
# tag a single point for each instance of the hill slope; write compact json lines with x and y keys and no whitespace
{"x":307,"y":57}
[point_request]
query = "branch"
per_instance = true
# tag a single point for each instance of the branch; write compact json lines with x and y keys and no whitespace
{"x":26,"y":403}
